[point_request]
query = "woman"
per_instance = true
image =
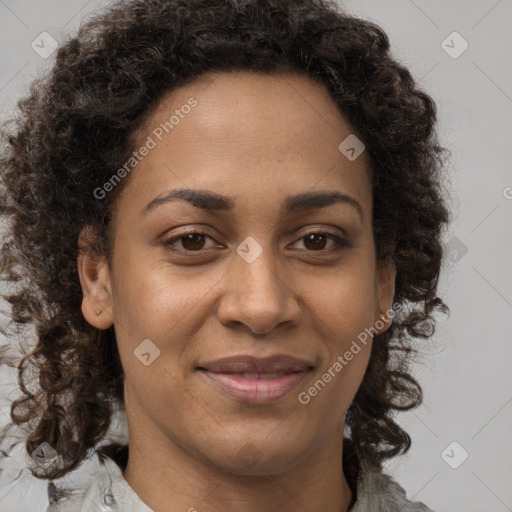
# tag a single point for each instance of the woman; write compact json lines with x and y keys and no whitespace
{"x":225,"y":222}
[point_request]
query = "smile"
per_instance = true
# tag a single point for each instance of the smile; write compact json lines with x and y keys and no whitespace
{"x":252,"y":379}
{"x":255,"y":387}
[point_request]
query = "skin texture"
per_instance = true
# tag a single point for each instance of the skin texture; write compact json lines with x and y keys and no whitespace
{"x":257,"y":139}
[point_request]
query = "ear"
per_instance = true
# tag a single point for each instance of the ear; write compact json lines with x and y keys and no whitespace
{"x":94,"y":277}
{"x":385,"y":292}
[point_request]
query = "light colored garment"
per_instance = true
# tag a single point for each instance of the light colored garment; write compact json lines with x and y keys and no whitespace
{"x":108,"y":491}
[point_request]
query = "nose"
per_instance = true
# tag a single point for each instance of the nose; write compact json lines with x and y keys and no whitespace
{"x":258,"y":296}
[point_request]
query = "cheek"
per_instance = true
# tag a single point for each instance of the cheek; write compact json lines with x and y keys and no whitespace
{"x":156,"y":303}
{"x":330,"y":392}
{"x":150,"y":299}
{"x":345,"y":304}
{"x":344,"y":315}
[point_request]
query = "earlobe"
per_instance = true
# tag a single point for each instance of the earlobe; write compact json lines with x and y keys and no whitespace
{"x":94,"y":278}
{"x":386,"y":276}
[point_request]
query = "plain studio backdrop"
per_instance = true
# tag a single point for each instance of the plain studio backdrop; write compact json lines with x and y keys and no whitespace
{"x":459,"y":52}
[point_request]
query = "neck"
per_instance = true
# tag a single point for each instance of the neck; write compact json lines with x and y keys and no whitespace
{"x":316,"y":484}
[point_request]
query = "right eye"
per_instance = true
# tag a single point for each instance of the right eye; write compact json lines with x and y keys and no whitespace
{"x":192,"y":241}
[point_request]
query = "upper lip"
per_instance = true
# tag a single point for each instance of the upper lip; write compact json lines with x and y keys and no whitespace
{"x":251,"y":364}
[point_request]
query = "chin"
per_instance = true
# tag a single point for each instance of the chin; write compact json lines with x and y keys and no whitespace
{"x":256,"y":457}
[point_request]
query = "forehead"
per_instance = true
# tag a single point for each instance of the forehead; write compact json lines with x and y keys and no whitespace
{"x":240,"y":104}
{"x":253,"y":133}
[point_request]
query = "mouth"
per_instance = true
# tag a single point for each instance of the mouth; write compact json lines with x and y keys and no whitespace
{"x":255,"y":380}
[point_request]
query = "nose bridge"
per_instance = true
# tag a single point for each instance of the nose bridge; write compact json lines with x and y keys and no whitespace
{"x":257,"y":270}
{"x":258,"y":296}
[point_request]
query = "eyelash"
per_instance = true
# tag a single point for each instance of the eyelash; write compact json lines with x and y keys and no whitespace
{"x":340,"y":242}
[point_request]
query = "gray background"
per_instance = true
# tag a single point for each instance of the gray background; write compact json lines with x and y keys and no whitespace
{"x":465,"y":369}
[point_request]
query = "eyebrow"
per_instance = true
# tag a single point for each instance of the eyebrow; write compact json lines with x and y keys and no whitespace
{"x":207,"y":200}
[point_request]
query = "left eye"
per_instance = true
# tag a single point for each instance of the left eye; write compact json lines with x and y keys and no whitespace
{"x":194,"y":241}
{"x":313,"y":238}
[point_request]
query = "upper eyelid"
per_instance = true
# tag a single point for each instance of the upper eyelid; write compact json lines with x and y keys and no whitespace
{"x":319,"y":231}
{"x":199,"y":229}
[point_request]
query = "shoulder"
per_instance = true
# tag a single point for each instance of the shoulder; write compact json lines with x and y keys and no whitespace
{"x":378,"y":491}
{"x":106,"y":489}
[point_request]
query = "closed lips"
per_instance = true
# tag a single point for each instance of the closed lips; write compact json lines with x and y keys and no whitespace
{"x":252,"y":367}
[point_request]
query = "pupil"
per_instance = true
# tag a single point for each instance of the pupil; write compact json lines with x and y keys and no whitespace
{"x":310,"y":238}
{"x":194,"y":239}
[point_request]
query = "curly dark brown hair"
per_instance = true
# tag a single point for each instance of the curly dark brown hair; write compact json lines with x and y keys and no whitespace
{"x":76,"y":127}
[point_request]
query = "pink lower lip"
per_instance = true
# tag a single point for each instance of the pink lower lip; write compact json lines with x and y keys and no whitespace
{"x":255,"y":391}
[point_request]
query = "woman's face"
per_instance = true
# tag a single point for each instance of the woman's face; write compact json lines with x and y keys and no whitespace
{"x":224,"y":333}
